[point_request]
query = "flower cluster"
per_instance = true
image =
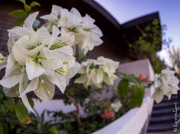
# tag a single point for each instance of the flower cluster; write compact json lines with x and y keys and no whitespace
{"x":143,"y":79}
{"x":38,"y":61}
{"x":86,"y":33}
{"x":107,"y":115}
{"x":116,"y":106}
{"x":166,"y":83}
{"x":109,"y":110}
{"x":97,"y":72}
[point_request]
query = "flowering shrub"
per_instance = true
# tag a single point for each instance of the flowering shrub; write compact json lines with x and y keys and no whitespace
{"x":41,"y":58}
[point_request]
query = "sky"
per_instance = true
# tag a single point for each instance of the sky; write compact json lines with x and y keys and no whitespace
{"x":126,"y":10}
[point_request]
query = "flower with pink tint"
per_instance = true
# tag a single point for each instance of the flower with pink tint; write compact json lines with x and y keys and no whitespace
{"x":108,"y":106}
{"x":108,"y":115}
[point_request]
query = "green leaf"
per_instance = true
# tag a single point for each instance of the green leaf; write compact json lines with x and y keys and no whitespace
{"x":27,"y":8}
{"x":62,"y":132}
{"x":12,"y":125}
{"x":33,"y":4}
{"x":9,"y":104}
{"x":132,"y":78}
{"x":31,"y":102}
{"x":123,"y":88}
{"x":1,"y":90}
{"x":1,"y":98}
{"x":22,"y":113}
{"x":18,"y":23}
{"x":18,"y":13}
{"x":18,"y":130}
{"x":2,"y":110}
{"x":23,"y":1}
{"x":5,"y":128}
{"x":137,"y":96}
{"x":80,"y":53}
{"x":53,"y":131}
{"x":1,"y":128}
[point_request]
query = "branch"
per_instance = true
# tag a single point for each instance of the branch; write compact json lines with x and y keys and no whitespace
{"x":77,"y":108}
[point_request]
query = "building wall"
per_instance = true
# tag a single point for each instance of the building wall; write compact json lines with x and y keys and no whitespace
{"x":108,"y":49}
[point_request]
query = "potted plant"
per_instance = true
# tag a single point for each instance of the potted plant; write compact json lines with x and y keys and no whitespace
{"x":42,"y":57}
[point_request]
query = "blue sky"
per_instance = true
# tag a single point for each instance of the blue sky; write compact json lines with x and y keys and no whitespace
{"x":169,"y":11}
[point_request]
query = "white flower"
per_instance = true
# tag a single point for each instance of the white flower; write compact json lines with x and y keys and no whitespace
{"x":116,"y":106}
{"x":91,"y":34}
{"x":42,"y":87}
{"x":53,"y":17}
{"x":97,"y":72}
{"x":15,"y":80}
{"x":165,"y":83}
{"x":86,"y":33}
{"x":26,"y":29}
{"x":37,"y":62}
{"x":109,"y":66}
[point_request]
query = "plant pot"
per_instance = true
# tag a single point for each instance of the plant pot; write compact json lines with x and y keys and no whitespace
{"x":134,"y":120}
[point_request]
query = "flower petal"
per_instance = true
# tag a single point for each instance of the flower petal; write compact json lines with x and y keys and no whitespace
{"x":59,"y":81}
{"x":158,"y":95}
{"x":22,"y":85}
{"x":55,"y":33}
{"x":30,"y":20}
{"x":34,"y":69}
{"x":45,"y":91}
{"x":31,"y":87}
{"x":12,"y":92}
{"x":73,"y":70}
{"x":11,"y":81}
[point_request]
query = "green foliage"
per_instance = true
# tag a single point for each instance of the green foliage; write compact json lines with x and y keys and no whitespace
{"x":62,"y":132}
{"x":9,"y":103}
{"x":22,"y":113}
{"x":22,"y":14}
{"x":123,"y":88}
{"x":12,"y":114}
{"x":39,"y":126}
{"x":130,"y":90}
{"x":1,"y":98}
{"x":147,"y":45}
{"x":2,"y":110}
{"x":80,"y":53}
{"x":1,"y":128}
{"x":34,"y":3}
{"x":90,"y":124}
{"x":18,"y":130}
{"x":12,"y":125}
{"x":31,"y":102}
{"x":137,"y":96}
{"x":23,"y":1}
{"x":27,"y":8}
{"x":18,"y":23}
{"x":18,"y":13}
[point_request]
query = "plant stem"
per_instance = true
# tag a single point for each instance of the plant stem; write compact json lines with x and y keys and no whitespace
{"x":77,"y":108}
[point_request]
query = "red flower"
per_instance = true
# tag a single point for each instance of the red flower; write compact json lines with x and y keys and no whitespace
{"x":108,"y":106}
{"x":143,"y":79}
{"x":108,"y":115}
